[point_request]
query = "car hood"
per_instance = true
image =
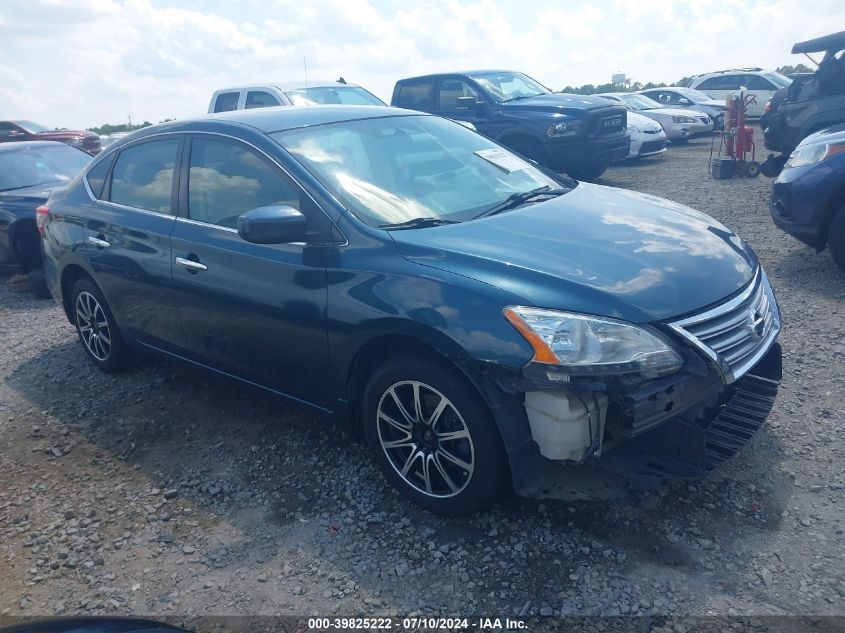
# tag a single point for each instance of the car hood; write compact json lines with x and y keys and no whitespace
{"x":559,"y":102}
{"x":59,"y":134}
{"x":670,"y":112}
{"x":595,"y":250}
{"x":833,"y":134}
{"x":643,"y":122}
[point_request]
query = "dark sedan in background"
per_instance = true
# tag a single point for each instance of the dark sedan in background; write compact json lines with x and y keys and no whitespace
{"x":808,"y":197}
{"x":16,"y":131}
{"x":29,"y":171}
{"x":479,"y":321}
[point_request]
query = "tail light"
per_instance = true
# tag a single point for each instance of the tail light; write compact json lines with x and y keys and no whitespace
{"x":768,"y":105}
{"x":41,"y":215}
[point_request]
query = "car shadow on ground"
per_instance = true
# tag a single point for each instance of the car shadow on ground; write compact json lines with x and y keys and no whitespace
{"x":295,"y":485}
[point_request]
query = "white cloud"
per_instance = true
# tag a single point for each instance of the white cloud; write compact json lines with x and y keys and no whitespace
{"x":85,"y":62}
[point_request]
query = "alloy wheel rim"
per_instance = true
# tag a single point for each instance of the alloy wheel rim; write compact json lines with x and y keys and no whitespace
{"x":425,"y":439}
{"x":93,"y":326}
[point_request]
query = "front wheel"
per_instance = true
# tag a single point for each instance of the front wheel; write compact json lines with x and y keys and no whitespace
{"x":836,"y":238}
{"x":433,"y":437}
{"x":588,"y":173}
{"x":97,"y":329}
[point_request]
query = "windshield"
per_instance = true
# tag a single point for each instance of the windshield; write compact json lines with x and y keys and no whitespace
{"x":32,"y":128}
{"x":639,"y":102}
{"x":693,"y":95}
{"x":28,"y":166}
{"x":779,"y":80}
{"x":351,"y":95}
{"x":509,"y":86}
{"x":395,"y":169}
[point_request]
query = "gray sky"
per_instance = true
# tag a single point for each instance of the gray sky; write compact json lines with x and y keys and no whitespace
{"x":80,"y":63}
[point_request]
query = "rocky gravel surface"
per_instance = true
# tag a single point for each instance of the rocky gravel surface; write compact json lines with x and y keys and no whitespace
{"x":168,"y":491}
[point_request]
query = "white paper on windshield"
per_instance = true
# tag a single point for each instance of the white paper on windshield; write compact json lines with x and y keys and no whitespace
{"x":502,"y":159}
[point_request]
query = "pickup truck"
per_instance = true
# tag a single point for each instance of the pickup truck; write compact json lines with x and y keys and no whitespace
{"x":578,"y":134}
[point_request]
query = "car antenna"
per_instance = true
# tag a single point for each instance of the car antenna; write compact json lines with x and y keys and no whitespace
{"x":341,"y":80}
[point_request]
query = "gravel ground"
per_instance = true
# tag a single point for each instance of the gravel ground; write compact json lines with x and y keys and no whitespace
{"x":168,"y":491}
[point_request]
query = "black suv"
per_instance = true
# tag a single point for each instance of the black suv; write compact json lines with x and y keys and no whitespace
{"x":811,"y":103}
{"x":573,"y":133}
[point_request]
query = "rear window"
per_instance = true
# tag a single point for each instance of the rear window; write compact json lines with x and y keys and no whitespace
{"x":417,"y":94}
{"x":226,"y":101}
{"x":722,"y":82}
{"x":143,"y":176}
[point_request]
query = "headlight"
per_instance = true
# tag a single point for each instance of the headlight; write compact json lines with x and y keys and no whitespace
{"x":591,"y":345}
{"x":812,"y":154}
{"x":564,"y":128}
{"x":683,"y":119}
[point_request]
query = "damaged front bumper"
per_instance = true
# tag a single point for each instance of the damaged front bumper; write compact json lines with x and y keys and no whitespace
{"x":645,"y":432}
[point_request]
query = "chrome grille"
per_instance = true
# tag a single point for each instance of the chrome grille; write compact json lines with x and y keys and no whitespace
{"x":737,"y":333}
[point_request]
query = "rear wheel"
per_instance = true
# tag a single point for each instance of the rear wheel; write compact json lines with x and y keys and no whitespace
{"x":836,"y":238}
{"x":433,"y":437}
{"x":97,"y":329}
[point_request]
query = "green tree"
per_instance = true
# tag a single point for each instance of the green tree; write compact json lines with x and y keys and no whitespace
{"x":798,"y":68}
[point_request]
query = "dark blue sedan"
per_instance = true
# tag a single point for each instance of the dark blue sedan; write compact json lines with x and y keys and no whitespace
{"x":478,"y":321}
{"x":808,"y":197}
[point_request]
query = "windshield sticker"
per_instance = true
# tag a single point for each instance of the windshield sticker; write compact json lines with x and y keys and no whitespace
{"x":502,"y":159}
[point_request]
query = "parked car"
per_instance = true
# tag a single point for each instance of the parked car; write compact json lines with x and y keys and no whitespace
{"x":808,"y":104}
{"x":647,"y":136}
{"x":108,"y":139}
{"x":680,"y":125}
{"x":572,"y":133}
{"x":29,"y":131}
{"x":808,"y":197}
{"x":760,"y":86}
{"x":291,"y":93}
{"x":678,"y":97}
{"x":90,"y":624}
{"x":28,"y":173}
{"x":476,"y":319}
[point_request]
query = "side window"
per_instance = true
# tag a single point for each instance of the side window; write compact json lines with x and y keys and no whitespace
{"x":226,"y":101}
{"x":97,"y":175}
{"x":456,"y":95}
{"x":756,"y":82}
{"x":711,"y":83}
{"x":143,"y":176}
{"x":662,"y":97}
{"x":226,"y":180}
{"x":6,"y":129}
{"x":260,"y":99}
{"x":417,"y":95}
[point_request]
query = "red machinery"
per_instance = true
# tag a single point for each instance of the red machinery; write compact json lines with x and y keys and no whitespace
{"x":737,"y":142}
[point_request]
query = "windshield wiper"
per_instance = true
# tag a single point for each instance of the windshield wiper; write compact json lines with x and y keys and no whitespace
{"x":522,"y":97}
{"x":521,"y":197}
{"x":417,"y":223}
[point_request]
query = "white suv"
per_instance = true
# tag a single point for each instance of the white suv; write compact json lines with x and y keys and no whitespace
{"x":760,"y":85}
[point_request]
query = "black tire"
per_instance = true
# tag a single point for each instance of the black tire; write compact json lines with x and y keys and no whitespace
{"x":752,"y":169}
{"x":113,"y":357}
{"x":588,"y":173}
{"x":462,"y":491}
{"x":38,"y":284}
{"x":836,"y":238}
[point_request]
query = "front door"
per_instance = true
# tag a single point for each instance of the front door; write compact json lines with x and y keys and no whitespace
{"x":256,"y":311}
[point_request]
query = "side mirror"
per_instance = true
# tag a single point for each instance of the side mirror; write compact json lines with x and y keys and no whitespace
{"x":466,"y":103}
{"x":277,"y":224}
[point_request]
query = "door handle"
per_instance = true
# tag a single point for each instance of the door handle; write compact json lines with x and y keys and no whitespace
{"x":98,"y":241}
{"x":191,"y":265}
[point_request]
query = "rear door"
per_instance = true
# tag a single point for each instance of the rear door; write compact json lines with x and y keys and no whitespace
{"x":256,"y":311}
{"x":128,"y":239}
{"x":721,"y":86}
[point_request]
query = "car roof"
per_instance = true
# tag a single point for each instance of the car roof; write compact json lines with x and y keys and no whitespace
{"x":731,"y":70}
{"x":292,"y":85}
{"x":832,"y":42}
{"x":464,"y":72}
{"x":290,"y":117}
{"x":11,"y":146}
